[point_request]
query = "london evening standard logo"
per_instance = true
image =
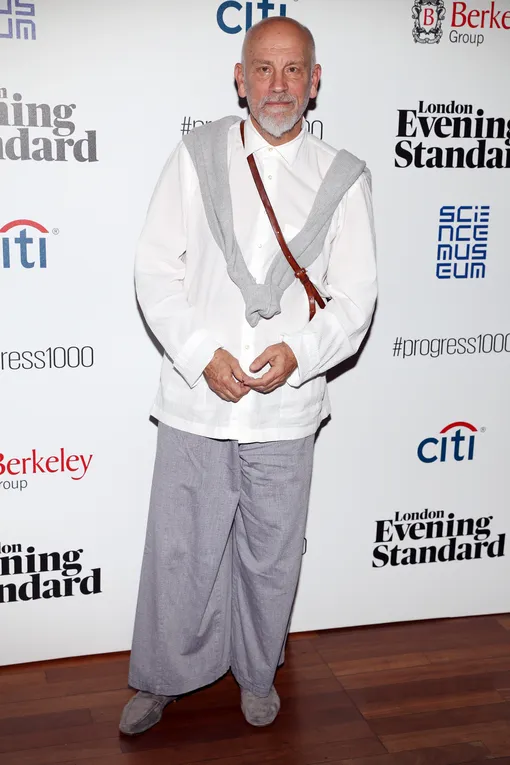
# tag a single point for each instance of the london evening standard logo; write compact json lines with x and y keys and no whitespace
{"x":234,"y":17}
{"x":451,"y":135}
{"x":17,"y":20}
{"x":456,"y":443}
{"x":31,"y":575}
{"x":42,"y":132}
{"x":465,"y":23}
{"x":431,"y":536}
{"x":462,"y":240}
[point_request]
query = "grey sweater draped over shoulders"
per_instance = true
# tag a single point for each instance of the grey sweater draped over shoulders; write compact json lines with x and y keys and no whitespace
{"x":207,"y":146}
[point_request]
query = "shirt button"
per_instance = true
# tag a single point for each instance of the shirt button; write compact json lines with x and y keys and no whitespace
{"x":270,"y":177}
{"x":270,"y":150}
{"x":246,"y":347}
{"x":259,"y":245}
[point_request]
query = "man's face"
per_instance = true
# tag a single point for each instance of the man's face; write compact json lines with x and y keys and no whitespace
{"x":276,"y":78}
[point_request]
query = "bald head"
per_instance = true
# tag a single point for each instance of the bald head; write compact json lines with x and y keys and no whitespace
{"x":279,"y":27}
{"x":278,"y":76}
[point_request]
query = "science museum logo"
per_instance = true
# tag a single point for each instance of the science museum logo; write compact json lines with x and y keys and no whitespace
{"x":17,"y":20}
{"x":462,"y":241}
{"x":234,"y":17}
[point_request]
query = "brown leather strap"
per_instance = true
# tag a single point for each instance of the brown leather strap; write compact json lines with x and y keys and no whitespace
{"x":300,"y":273}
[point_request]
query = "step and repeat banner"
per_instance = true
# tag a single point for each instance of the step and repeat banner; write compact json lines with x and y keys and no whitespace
{"x":409,"y":515}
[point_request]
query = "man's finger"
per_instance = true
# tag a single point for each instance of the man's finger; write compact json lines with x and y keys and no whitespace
{"x":223,"y":392}
{"x":224,"y":387}
{"x":269,"y":382}
{"x":271,"y":388}
{"x":239,"y":373}
{"x":235,"y":389}
{"x":267,"y":379}
{"x":261,"y":361}
{"x":224,"y":395}
{"x":268,"y":388}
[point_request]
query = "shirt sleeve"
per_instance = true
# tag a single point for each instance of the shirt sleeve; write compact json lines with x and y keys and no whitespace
{"x":160,"y":270}
{"x":336,"y":332}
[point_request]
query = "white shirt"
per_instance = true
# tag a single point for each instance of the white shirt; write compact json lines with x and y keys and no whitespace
{"x":193,"y":307}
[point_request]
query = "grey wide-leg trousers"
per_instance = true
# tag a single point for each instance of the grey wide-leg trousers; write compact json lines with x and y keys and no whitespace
{"x":221,"y":561}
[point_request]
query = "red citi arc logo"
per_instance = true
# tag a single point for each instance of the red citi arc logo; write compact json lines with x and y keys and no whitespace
{"x":24,"y":247}
{"x":457,"y":442}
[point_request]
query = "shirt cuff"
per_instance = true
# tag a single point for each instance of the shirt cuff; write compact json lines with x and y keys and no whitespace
{"x":195,"y":355}
{"x":305,"y":349}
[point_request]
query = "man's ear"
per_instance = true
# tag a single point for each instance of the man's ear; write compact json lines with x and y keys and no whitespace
{"x":239,"y":78}
{"x":316,"y":75}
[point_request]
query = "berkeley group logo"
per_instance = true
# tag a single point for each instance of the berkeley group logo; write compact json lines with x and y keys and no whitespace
{"x":462,"y":241}
{"x":457,"y":446}
{"x":19,"y":23}
{"x":13,"y":470}
{"x":429,"y":15}
{"x":229,"y":11}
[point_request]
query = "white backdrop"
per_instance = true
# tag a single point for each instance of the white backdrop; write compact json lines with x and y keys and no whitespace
{"x":129,"y":78}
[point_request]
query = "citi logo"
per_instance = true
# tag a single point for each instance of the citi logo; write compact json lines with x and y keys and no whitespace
{"x":457,"y":442}
{"x":231,"y":20}
{"x":25,"y":245}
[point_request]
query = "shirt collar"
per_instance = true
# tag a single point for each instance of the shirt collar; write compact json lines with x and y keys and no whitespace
{"x":254,"y":142}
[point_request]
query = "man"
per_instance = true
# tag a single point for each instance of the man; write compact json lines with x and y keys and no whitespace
{"x":242,"y":388}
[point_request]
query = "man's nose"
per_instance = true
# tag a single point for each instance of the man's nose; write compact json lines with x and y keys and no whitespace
{"x":279,"y":83}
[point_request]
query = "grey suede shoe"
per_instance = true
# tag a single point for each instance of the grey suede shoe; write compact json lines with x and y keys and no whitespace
{"x":142,"y":712}
{"x":259,"y":710}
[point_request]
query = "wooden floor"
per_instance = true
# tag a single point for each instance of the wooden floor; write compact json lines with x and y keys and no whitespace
{"x":424,"y":693}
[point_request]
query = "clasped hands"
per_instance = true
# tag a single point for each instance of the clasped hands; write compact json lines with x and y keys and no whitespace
{"x":225,"y":377}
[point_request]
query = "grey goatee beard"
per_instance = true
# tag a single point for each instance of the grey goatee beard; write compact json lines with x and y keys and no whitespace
{"x":278,"y":124}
